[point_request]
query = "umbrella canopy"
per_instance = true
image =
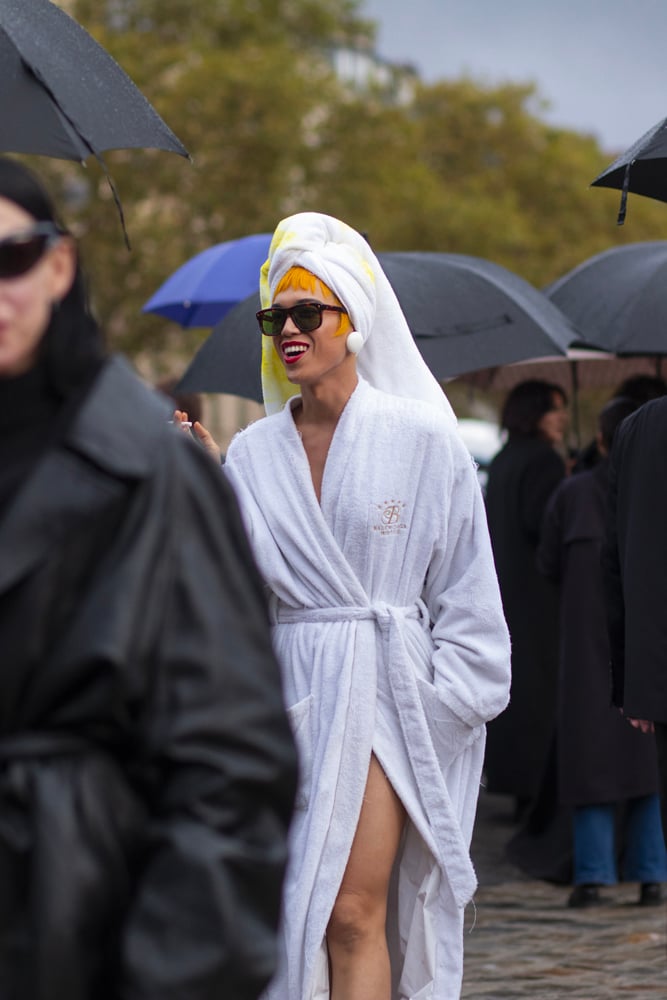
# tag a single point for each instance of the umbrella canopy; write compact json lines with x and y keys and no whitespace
{"x":206,"y":287}
{"x":63,"y":95}
{"x":465,"y":313}
{"x":230,"y":359}
{"x":579,"y":369}
{"x":618,"y":299}
{"x":642,"y":168}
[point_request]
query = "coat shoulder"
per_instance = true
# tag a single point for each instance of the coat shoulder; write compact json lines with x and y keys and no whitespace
{"x":122,"y":424}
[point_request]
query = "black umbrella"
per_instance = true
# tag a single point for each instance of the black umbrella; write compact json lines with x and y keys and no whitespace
{"x":230,"y":358}
{"x":464,"y":312}
{"x":64,"y":96}
{"x":641,"y":169}
{"x":467,"y":312}
{"x":618,"y":299}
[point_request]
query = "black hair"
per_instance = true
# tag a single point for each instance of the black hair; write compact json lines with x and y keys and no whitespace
{"x":72,"y":347}
{"x":526,"y":405}
{"x":642,"y":388}
{"x":612,"y":416}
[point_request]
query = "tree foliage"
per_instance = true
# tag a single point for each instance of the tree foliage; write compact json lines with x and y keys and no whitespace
{"x":250,"y":89}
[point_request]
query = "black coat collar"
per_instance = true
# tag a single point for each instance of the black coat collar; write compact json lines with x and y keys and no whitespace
{"x":117,"y":434}
{"x":120,"y":423}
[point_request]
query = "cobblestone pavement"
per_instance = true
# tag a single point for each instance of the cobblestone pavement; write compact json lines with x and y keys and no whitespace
{"x":523,"y":941}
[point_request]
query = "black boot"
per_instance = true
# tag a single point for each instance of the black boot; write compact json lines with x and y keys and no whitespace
{"x":651,"y":894}
{"x":585,"y":895}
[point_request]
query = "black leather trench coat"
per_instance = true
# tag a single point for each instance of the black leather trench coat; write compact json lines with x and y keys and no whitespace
{"x":147,"y":770}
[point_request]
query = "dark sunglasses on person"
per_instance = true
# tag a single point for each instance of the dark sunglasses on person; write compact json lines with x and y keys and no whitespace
{"x":306,"y":316}
{"x":21,"y":251}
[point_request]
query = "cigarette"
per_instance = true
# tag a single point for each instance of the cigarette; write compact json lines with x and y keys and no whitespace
{"x":183,"y":423}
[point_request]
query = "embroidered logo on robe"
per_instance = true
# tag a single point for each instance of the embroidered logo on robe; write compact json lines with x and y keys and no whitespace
{"x":388,"y":517}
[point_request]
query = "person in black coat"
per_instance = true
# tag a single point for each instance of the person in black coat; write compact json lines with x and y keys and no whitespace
{"x":147,"y":769}
{"x":522,"y":477}
{"x":635,"y":574}
{"x":640,"y":389}
{"x":602,"y":762}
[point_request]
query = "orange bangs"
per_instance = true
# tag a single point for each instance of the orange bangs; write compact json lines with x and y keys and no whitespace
{"x":299,"y":277}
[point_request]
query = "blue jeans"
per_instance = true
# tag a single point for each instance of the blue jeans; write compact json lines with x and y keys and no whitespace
{"x":645,"y":856}
{"x":661,"y":747}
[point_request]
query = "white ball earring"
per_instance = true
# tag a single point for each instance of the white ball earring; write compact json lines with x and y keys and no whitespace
{"x":354,"y":342}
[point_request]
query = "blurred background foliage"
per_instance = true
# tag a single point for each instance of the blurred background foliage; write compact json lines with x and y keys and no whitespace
{"x":284,"y":107}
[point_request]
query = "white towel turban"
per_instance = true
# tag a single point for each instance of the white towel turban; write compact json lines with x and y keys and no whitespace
{"x":341,"y":258}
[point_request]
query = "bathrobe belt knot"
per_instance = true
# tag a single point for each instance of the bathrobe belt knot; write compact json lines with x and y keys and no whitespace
{"x":448,"y":844}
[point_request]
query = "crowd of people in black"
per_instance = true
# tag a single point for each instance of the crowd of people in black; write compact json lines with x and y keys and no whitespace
{"x":574,"y":749}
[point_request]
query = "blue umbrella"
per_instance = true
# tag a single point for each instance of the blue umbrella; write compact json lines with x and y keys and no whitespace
{"x":206,"y":287}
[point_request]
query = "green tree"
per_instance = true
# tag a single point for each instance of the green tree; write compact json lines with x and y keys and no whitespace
{"x":523,"y":186}
{"x":242,"y":85}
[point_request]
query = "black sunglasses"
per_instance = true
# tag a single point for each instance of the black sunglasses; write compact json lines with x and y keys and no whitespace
{"x":306,"y":316}
{"x":21,"y":251}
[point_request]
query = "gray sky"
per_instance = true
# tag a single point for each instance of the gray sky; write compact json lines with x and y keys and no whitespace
{"x":601,"y":64}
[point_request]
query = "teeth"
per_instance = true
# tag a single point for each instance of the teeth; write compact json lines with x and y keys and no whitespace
{"x":293,"y":349}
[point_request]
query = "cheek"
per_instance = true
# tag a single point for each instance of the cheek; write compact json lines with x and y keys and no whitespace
{"x":547,"y":427}
{"x":21,"y":296}
{"x":23,"y":305}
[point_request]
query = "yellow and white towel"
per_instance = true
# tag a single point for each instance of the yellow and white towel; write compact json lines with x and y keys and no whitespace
{"x":341,"y":258}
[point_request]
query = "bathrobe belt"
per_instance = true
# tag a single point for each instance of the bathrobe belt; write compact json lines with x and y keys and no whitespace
{"x":450,"y":848}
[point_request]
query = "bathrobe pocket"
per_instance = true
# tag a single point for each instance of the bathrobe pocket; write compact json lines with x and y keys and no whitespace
{"x":450,"y":735}
{"x":299,"y":716}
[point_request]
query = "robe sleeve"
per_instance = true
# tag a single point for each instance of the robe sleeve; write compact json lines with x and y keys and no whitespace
{"x":471,"y":661}
{"x":204,"y":918}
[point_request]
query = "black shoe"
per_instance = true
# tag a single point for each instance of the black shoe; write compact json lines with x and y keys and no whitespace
{"x":650,"y":894}
{"x":585,"y":895}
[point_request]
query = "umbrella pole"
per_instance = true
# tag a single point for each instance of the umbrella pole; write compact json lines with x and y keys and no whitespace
{"x":116,"y":198}
{"x":575,"y":403}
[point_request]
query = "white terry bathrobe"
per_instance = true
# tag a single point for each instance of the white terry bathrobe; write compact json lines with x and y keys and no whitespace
{"x":389,"y":629}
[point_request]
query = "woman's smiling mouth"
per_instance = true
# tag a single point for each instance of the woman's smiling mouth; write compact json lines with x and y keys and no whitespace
{"x":292,"y":350}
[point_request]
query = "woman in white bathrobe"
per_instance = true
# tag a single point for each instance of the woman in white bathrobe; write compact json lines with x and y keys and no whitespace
{"x":367,"y":522}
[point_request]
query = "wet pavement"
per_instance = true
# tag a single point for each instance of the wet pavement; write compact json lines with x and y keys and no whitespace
{"x":523,"y":940}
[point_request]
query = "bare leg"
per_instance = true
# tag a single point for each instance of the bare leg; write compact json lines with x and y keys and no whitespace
{"x":356,"y":939}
